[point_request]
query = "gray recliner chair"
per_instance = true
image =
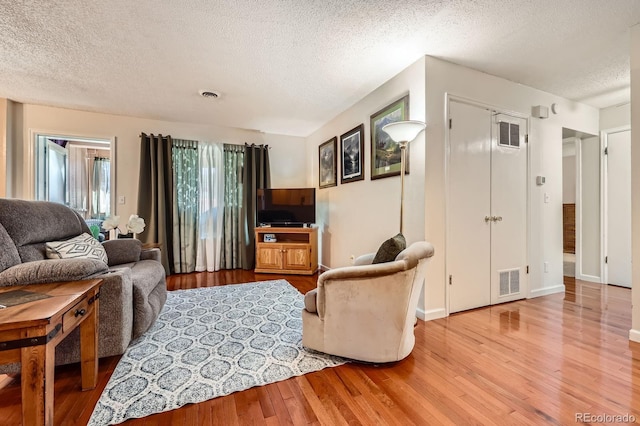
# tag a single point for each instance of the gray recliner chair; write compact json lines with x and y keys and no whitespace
{"x":134,"y":287}
{"x":367,"y":311}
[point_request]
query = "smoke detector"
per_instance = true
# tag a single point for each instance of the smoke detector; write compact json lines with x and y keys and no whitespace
{"x":209,"y":94}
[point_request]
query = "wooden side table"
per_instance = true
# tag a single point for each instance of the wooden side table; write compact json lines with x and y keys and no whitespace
{"x":29,"y":333}
{"x":149,"y":246}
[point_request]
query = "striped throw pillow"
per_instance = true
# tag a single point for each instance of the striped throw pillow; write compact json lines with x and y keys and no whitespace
{"x":83,"y":246}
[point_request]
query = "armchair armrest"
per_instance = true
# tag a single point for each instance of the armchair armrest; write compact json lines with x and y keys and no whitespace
{"x":51,"y":270}
{"x":123,"y":250}
{"x":364,"y":271}
{"x":151,"y":254}
{"x":365,"y":259}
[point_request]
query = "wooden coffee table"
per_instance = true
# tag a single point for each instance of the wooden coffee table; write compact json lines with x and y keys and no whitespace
{"x":30,"y":331}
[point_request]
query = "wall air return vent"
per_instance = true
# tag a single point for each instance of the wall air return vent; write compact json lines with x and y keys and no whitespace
{"x":509,"y":134}
{"x":509,"y":281}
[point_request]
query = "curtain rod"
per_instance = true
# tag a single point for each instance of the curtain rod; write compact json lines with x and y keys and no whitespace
{"x":253,"y":144}
{"x":245,"y":144}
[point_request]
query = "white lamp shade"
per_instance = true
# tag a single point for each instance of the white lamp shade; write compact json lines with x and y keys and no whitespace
{"x":404,"y":131}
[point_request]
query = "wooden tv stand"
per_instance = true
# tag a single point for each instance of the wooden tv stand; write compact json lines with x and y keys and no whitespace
{"x":295,"y":251}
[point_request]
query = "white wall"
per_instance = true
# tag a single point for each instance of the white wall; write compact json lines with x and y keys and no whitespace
{"x":4,"y":131}
{"x":568,"y":171}
{"x":287,"y":156}
{"x":635,"y":181}
{"x":355,"y":218}
{"x":615,"y":116}
{"x":545,"y":159}
{"x":590,"y":210}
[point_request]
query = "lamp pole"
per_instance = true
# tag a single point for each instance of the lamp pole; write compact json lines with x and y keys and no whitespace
{"x":403,"y":132}
{"x":403,"y":153}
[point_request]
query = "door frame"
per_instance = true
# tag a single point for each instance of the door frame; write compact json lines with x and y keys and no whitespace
{"x":604,"y":207}
{"x":449,"y":97}
{"x":29,"y":172}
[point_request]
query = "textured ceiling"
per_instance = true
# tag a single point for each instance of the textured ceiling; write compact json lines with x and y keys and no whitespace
{"x":289,"y":66}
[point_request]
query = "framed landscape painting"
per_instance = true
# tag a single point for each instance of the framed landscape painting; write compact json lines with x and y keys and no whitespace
{"x":352,"y":151}
{"x":385,"y":153}
{"x":328,"y":164}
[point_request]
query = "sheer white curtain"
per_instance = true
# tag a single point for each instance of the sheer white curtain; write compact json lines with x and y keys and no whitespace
{"x":78,"y":180}
{"x":186,"y":174}
{"x":101,"y":188}
{"x":211,"y":206}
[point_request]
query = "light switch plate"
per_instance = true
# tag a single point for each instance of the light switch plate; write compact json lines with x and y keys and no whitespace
{"x":121,"y":199}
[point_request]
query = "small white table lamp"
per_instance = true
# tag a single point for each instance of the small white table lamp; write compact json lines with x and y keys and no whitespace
{"x":403,"y":132}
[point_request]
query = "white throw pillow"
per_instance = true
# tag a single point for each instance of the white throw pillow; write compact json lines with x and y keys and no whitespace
{"x":83,"y":246}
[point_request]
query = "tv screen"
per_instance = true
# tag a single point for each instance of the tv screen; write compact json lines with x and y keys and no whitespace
{"x":293,"y":206}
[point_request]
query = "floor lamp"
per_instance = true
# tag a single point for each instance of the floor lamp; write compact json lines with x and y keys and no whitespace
{"x":403,"y":132}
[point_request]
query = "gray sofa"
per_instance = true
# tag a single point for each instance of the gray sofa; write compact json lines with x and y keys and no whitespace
{"x":134,"y":287}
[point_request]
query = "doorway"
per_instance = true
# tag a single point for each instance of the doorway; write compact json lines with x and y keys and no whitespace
{"x":582,"y":210}
{"x":77,"y":172}
{"x":569,"y":192}
{"x":487,"y":206}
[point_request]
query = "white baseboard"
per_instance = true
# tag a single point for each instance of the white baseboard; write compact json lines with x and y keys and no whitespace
{"x":431,"y":314}
{"x":546,"y":291}
{"x":589,"y":278}
{"x":634,"y":335}
{"x":322,"y":268}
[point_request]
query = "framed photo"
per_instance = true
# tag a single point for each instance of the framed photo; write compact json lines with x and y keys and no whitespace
{"x":328,"y":164}
{"x":385,"y":153}
{"x":352,"y":150}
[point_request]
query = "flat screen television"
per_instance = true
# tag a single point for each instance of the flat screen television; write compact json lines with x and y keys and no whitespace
{"x":286,"y":207}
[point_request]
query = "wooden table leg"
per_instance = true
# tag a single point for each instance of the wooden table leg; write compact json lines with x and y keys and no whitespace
{"x":37,"y":373}
{"x":89,"y":348}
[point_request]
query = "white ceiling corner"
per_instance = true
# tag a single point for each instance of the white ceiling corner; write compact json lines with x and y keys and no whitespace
{"x":289,"y":67}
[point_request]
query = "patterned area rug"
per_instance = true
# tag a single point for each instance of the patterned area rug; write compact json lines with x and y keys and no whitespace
{"x":210,"y":342}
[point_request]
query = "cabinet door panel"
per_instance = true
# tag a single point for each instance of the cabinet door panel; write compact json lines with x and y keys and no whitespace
{"x":296,"y":257}
{"x":269,"y":256}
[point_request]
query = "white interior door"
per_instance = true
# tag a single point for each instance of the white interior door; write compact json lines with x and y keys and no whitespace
{"x":468,"y":250}
{"x":487,"y":231}
{"x":508,"y":208}
{"x":619,"y":208}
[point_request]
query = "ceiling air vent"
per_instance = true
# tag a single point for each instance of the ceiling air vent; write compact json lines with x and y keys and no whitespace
{"x":209,"y":94}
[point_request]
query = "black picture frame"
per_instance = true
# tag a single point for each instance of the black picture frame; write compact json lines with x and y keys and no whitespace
{"x":385,"y":153}
{"x":328,"y":164}
{"x":352,"y":155}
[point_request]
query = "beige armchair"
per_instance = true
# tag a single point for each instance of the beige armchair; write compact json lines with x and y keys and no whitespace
{"x":367,"y":312}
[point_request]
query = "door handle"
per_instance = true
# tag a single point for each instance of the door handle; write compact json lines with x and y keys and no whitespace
{"x":492,"y":219}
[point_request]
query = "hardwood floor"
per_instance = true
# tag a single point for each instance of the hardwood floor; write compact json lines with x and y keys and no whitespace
{"x":537,"y":361}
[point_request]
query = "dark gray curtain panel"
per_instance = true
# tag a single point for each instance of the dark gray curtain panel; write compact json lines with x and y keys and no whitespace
{"x":234,"y":217}
{"x":155,"y":199}
{"x":256,"y":175}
